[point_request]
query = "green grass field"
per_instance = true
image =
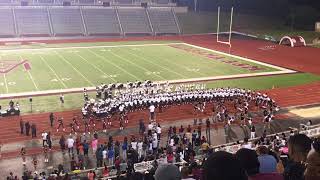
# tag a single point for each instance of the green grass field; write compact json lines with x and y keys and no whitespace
{"x":88,"y":65}
{"x":65,"y":66}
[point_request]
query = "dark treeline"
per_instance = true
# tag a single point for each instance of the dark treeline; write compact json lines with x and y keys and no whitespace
{"x":301,"y":14}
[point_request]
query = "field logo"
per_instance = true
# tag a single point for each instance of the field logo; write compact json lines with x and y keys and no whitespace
{"x":8,"y":65}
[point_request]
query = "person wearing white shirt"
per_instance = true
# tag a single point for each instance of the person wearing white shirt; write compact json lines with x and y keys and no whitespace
{"x":104,"y":155}
{"x":158,"y":131}
{"x":134,"y":145}
{"x":70,"y":143}
{"x":152,"y":113}
{"x":140,"y":144}
{"x":44,"y":138}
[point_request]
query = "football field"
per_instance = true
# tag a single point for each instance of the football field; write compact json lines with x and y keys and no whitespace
{"x":30,"y":69}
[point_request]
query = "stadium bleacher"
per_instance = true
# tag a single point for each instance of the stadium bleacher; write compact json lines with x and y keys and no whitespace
{"x":134,"y":21}
{"x":101,"y":21}
{"x":32,"y":21}
{"x":66,"y":21}
{"x":163,"y":21}
{"x":7,"y":23}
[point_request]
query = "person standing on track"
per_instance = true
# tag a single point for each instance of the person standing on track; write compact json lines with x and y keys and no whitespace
{"x":51,"y":119}
{"x":21,"y":126}
{"x":152,"y":112}
{"x":44,"y":138}
{"x":27,"y":126}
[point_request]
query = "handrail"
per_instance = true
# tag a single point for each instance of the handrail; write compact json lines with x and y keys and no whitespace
{"x":15,"y":23}
{"x":176,"y":20}
{"x":120,"y":25}
{"x":149,"y":20}
{"x":83,"y":22}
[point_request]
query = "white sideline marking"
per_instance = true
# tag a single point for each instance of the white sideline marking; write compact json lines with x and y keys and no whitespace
{"x":30,"y":75}
{"x":242,"y":58}
{"x":135,"y":64}
{"x":74,"y":90}
{"x":61,"y":57}
{"x":104,"y":59}
{"x":90,"y":47}
{"x":97,"y":68}
{"x":141,"y":57}
{"x":64,"y":85}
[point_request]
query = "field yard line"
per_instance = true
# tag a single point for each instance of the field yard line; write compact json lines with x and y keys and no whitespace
{"x":4,"y":77}
{"x":61,"y":57}
{"x":64,"y":85}
{"x":136,"y":65}
{"x":141,"y":57}
{"x":91,"y":47}
{"x":97,"y":68}
{"x":5,"y":82}
{"x":30,"y":75}
{"x":242,"y":58}
{"x":103,"y":58}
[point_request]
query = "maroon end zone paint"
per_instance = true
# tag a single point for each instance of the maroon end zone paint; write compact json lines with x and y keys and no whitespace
{"x":27,"y":66}
{"x":9,"y":65}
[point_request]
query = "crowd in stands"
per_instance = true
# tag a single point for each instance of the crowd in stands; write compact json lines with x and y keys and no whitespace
{"x":279,"y":157}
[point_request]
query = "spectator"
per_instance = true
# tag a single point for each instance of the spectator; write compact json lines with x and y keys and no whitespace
{"x":124,"y":148}
{"x":185,"y":174}
{"x":62,"y":143}
{"x":70,"y":143}
{"x":167,"y":172}
{"x":85,"y":148}
{"x":90,"y":175}
{"x":21,"y":126}
{"x":27,"y":126}
{"x":249,"y":161}
{"x":33,"y":130}
{"x":94,"y":145}
{"x":299,"y":145}
{"x":268,"y":164}
{"x":44,"y":138}
{"x":253,"y":132}
{"x":51,"y":119}
{"x":313,"y":162}
{"x":223,"y":166}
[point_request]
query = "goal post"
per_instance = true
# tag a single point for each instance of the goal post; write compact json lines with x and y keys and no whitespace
{"x":230,"y":28}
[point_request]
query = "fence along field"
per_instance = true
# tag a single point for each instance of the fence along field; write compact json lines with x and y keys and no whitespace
{"x":61,"y":69}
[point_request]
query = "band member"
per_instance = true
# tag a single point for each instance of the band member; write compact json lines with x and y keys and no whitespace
{"x":75,"y":122}
{"x":86,"y":127}
{"x":73,"y":129}
{"x":23,"y":155}
{"x":45,"y":152}
{"x":60,"y":124}
{"x":91,"y":121}
{"x":104,"y":125}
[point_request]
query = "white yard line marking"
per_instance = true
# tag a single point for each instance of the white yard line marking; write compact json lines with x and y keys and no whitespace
{"x":106,"y":60}
{"x":4,"y":77}
{"x":97,"y":68}
{"x":5,"y":82}
{"x":74,"y":90}
{"x":138,"y":66}
{"x":30,"y":75}
{"x":90,"y":47}
{"x":140,"y":57}
{"x":64,"y":85}
{"x":64,"y":59}
{"x":242,"y":58}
